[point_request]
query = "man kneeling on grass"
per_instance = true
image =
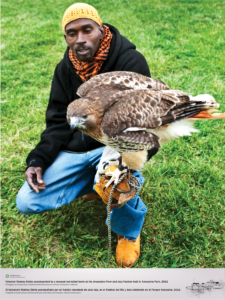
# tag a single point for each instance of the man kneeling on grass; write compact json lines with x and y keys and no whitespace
{"x":63,"y":165}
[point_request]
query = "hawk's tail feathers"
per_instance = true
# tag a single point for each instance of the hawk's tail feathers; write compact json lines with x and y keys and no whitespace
{"x":207,"y":114}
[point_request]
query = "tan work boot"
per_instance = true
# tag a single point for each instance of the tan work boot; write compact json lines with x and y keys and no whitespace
{"x":127,"y":252}
{"x":91,"y":197}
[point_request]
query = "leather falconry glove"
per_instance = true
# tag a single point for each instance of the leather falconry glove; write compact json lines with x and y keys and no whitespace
{"x":122,"y":193}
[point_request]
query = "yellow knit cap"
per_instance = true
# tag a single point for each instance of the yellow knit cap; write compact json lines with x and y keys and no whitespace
{"x":79,"y":11}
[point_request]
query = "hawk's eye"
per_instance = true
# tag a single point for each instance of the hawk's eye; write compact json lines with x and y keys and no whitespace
{"x":85,"y":116}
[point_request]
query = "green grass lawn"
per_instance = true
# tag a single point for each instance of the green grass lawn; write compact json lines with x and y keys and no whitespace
{"x":183,"y":42}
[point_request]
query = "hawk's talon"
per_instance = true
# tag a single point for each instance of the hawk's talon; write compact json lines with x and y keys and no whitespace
{"x":110,"y":164}
{"x":104,"y":164}
{"x":115,"y":176}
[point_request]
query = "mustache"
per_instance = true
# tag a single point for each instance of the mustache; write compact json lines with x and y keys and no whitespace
{"x":81,"y":48}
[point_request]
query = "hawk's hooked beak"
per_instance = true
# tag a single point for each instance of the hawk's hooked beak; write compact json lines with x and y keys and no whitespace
{"x":75,"y":122}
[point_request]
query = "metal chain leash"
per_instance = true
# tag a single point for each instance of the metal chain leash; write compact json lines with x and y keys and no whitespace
{"x":137,"y":185}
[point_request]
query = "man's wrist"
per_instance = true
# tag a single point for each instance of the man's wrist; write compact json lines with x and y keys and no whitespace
{"x":36,"y":162}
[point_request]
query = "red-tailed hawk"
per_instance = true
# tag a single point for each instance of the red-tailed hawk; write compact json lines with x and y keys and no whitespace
{"x":132,"y":113}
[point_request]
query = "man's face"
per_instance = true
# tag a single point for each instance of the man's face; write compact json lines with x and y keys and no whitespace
{"x":83,"y":37}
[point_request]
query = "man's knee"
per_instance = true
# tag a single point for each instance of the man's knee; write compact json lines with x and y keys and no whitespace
{"x":22,"y":204}
{"x":24,"y":201}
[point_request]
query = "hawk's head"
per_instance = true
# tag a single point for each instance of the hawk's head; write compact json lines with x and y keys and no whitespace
{"x":83,"y":114}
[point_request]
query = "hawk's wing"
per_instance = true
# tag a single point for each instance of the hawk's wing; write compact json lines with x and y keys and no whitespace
{"x":119,"y":81}
{"x":107,"y":86}
{"x":135,"y":111}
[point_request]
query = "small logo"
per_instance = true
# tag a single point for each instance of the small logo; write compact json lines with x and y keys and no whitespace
{"x":7,"y":275}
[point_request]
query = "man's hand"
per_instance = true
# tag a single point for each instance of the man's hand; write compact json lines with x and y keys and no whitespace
{"x":34,"y":178}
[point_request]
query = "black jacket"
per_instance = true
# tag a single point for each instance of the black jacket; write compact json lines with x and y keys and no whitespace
{"x":57,"y":135}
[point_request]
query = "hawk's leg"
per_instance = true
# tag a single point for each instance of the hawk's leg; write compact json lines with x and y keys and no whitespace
{"x":108,"y":164}
{"x":116,"y":174}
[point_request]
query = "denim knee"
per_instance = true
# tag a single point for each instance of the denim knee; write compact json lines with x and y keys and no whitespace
{"x":23,"y":200}
{"x":21,"y":204}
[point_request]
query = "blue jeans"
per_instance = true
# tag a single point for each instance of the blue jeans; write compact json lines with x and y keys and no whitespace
{"x":72,"y":176}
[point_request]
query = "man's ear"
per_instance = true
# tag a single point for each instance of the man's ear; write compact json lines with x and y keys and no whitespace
{"x":102,"y":31}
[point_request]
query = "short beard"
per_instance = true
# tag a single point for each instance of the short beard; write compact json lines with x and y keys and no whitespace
{"x":85,"y":60}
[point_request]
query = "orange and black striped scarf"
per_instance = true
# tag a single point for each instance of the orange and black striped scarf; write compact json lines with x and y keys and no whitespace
{"x":87,"y":70}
